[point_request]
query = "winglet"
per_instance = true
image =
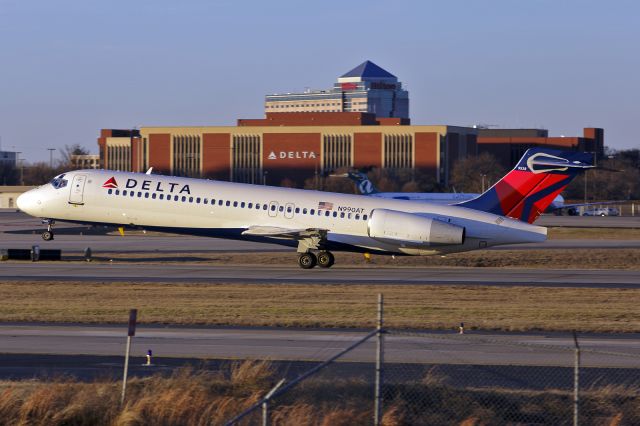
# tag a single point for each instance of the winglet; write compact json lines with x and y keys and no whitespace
{"x":149,"y":171}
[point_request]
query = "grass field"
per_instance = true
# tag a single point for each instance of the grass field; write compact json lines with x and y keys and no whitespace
{"x":201,"y":397}
{"x":424,"y":307}
{"x":556,"y":259}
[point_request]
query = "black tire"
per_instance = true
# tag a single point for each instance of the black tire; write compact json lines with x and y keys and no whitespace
{"x":47,"y":235}
{"x":326,"y":259}
{"x":307,"y":260}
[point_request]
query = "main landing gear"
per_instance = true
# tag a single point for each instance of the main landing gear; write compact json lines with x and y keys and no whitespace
{"x":308,"y":260}
{"x":48,"y":234}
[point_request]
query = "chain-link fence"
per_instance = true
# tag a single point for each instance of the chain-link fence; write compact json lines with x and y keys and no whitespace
{"x":508,"y":379}
{"x":399,"y":377}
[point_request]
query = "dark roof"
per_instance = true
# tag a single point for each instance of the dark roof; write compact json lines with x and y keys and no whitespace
{"x":368,"y":69}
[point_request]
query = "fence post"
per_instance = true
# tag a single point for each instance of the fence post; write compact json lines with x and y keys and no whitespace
{"x":576,"y":380}
{"x":133,"y":314}
{"x":377,"y":414}
{"x":265,"y":404}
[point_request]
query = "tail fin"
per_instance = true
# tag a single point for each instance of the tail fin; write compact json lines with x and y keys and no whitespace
{"x":362,"y":181}
{"x":527,"y":190}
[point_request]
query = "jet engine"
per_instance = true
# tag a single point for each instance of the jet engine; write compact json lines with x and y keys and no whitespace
{"x":401,"y":227}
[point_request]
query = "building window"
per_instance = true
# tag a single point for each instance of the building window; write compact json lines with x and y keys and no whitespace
{"x":186,"y":155}
{"x":398,"y":151}
{"x":336,"y":150}
{"x":246,"y":166}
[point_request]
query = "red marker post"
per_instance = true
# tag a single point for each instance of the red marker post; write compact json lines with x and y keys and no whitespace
{"x":133,"y":315}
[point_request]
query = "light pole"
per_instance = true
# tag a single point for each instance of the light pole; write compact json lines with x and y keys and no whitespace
{"x":483,"y":176}
{"x":19,"y":161}
{"x":51,"y":157}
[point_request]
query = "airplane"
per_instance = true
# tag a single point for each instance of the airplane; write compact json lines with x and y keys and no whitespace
{"x":366,"y":187}
{"x":314,"y":222}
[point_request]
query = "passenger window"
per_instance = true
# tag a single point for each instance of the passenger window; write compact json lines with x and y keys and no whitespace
{"x":235,"y":204}
{"x":132,"y":193}
{"x":304,"y":211}
{"x":175,"y":198}
{"x":205,"y":201}
{"x":250,"y":205}
{"x":139,"y":194}
{"x":124,"y":192}
{"x":297,"y":210}
{"x":342,"y":215}
{"x":146,"y":195}
{"x":228,"y":203}
{"x":312,"y":211}
{"x":219,"y":202}
{"x":190,"y":199}
{"x":273,"y":207}
{"x":364,"y":217}
{"x":198,"y":200}
{"x":335,"y":214}
{"x":289,"y":209}
{"x":110,"y":191}
{"x":357,"y":216}
{"x":281,"y":209}
{"x":184,"y":198}
{"x":161,"y":196}
{"x":153,"y":195}
{"x":117,"y":192}
{"x":349,"y":216}
{"x":264,"y":207}
{"x":327,"y":213}
{"x":242,"y":205}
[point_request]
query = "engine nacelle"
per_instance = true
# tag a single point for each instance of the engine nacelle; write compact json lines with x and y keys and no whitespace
{"x":408,"y":228}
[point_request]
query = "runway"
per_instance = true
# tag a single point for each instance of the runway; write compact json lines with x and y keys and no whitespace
{"x":181,"y":273}
{"x":620,"y":351}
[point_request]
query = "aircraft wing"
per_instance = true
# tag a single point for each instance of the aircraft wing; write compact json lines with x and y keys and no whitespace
{"x":291,"y":233}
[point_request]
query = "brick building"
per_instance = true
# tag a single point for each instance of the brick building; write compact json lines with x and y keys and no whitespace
{"x":508,"y":145}
{"x":293,"y":146}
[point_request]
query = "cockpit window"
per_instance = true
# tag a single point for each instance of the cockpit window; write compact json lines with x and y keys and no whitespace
{"x":59,"y":182}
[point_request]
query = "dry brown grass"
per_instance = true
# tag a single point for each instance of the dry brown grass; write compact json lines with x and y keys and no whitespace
{"x":564,"y":233}
{"x":555,"y":259}
{"x":426,"y":307}
{"x":191,"y":398}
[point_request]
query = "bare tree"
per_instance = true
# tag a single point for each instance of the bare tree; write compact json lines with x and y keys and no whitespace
{"x":469,"y":174}
{"x":68,"y":151}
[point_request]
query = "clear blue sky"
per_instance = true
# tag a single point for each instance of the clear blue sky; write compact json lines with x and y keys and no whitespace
{"x":69,"y":68}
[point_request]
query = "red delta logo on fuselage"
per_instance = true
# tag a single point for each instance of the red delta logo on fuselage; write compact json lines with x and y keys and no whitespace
{"x":111,"y":183}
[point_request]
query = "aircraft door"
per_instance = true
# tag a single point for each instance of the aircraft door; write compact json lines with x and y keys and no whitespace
{"x":77,"y":189}
{"x":273,"y":209}
{"x":289,"y":210}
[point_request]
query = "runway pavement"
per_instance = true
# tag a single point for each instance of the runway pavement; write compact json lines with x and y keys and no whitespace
{"x":180,"y":273}
{"x":620,"y":351}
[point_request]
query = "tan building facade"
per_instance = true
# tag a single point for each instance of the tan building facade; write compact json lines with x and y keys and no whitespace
{"x":283,"y":147}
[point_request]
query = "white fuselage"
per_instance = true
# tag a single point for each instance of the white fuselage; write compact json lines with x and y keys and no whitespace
{"x":224,"y":209}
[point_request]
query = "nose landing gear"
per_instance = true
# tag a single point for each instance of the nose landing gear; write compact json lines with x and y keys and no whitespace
{"x":48,"y":234}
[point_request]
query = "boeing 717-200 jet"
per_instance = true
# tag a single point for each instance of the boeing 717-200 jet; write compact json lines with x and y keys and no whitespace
{"x":317,"y":223}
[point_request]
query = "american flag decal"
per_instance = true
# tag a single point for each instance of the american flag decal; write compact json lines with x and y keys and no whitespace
{"x":325,"y":205}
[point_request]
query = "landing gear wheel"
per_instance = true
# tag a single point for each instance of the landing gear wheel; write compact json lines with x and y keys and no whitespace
{"x":47,"y":235}
{"x":326,"y":259}
{"x":307,"y":260}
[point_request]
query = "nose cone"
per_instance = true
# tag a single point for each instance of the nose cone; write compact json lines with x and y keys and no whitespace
{"x":27,"y":202}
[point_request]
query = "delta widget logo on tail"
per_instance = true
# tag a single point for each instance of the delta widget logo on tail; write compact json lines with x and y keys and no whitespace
{"x":111,"y":183}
